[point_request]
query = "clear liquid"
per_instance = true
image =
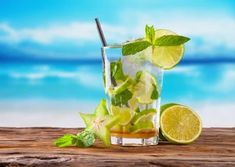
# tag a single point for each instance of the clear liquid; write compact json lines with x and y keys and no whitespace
{"x":128,"y":67}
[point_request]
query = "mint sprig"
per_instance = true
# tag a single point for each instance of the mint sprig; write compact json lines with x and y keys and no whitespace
{"x":65,"y":141}
{"x":83,"y":139}
{"x":150,"y":34}
{"x":151,"y":40}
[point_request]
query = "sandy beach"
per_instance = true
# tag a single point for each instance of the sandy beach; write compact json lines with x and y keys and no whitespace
{"x":42,"y":113}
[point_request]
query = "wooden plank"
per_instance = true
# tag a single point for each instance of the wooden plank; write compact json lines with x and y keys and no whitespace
{"x":33,"y":147}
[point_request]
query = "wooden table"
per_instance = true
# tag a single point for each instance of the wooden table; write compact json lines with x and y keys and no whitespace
{"x":33,"y":147}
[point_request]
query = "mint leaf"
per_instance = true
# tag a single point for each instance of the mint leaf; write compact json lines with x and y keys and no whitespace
{"x":134,"y":47}
{"x":137,"y":110}
{"x":116,"y":71}
{"x":121,"y":98}
{"x":65,"y":141}
{"x":171,"y":40}
{"x":137,"y":76}
{"x":150,"y":34}
{"x":85,"y":139}
{"x":155,"y":93}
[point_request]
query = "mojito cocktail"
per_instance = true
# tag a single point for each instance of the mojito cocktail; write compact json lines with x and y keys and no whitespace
{"x":133,"y":74}
{"x":133,"y":88}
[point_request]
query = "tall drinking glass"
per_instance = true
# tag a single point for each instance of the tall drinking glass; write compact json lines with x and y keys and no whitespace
{"x":133,"y":88}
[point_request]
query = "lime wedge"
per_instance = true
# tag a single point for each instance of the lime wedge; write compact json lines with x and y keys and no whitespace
{"x":142,"y":127}
{"x":145,"y":87}
{"x":116,"y":128}
{"x":166,"y":57}
{"x":125,"y":114}
{"x":179,"y":124}
{"x":133,"y":103}
{"x":143,"y":121}
{"x":144,"y":116}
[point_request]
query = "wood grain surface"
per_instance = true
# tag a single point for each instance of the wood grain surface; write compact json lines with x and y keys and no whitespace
{"x":33,"y":147}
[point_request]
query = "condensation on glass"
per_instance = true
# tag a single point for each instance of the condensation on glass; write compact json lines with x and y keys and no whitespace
{"x":133,"y":87}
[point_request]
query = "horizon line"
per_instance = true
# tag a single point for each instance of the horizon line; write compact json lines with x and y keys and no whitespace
{"x":187,"y":61}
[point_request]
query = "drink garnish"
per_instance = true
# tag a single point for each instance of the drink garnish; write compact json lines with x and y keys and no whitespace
{"x":163,"y":48}
{"x":98,"y":125}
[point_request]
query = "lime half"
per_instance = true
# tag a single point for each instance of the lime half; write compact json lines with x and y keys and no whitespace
{"x":179,"y":124}
{"x":166,"y":57}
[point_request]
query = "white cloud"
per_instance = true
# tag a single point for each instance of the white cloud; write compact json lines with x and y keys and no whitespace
{"x":191,"y":71}
{"x":215,"y":114}
{"x":223,"y":83}
{"x":90,"y":79}
{"x":78,"y":32}
{"x":57,"y":113}
{"x":211,"y":34}
{"x":75,"y":31}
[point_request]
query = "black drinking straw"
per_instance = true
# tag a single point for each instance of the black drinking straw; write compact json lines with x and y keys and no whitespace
{"x":104,"y":43}
{"x":101,"y":34}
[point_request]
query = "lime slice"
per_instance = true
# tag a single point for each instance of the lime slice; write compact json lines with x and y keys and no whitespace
{"x":120,"y":88}
{"x":133,"y":103}
{"x":145,"y":87}
{"x":143,"y":116}
{"x":143,"y":121}
{"x":116,"y":128}
{"x":166,"y":57}
{"x":125,"y":114}
{"x":142,"y":127}
{"x":179,"y":124}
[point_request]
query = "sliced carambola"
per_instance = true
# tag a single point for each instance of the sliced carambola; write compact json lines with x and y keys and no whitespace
{"x":100,"y":122}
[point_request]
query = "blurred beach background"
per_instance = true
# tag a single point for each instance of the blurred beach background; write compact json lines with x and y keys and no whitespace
{"x":50,"y":64}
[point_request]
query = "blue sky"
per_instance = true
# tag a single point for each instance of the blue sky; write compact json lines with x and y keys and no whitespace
{"x":66,"y":29}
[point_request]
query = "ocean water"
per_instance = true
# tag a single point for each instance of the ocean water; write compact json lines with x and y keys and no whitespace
{"x":33,"y":94}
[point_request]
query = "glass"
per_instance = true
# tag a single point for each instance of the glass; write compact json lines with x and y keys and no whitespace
{"x":133,"y":87}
